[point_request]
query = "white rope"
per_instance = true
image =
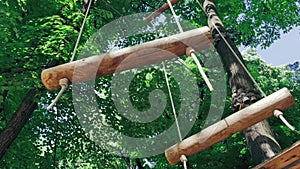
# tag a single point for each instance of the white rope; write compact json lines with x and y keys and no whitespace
{"x":65,"y":82}
{"x":175,"y":16}
{"x":239,"y":60}
{"x":184,"y":160}
{"x":191,"y":52}
{"x":183,"y":157}
{"x":172,"y":102}
{"x":81,"y":31}
{"x":279,"y":114}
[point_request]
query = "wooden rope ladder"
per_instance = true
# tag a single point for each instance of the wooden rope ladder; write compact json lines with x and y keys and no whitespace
{"x":199,"y":39}
{"x":61,"y":76}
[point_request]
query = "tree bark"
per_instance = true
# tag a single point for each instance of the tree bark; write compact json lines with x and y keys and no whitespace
{"x":260,"y":139}
{"x":17,"y":122}
{"x":21,"y":116}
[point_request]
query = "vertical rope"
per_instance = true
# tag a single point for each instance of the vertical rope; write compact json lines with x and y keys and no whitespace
{"x":180,"y":29}
{"x":191,"y":52}
{"x":172,"y":102}
{"x":65,"y":82}
{"x":175,"y":16}
{"x":239,"y":60}
{"x":81,"y":30}
{"x":55,"y":139}
{"x":183,"y":158}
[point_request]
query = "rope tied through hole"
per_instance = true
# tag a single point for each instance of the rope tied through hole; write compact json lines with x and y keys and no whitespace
{"x":279,"y":114}
{"x":191,"y":52}
{"x":184,"y":160}
{"x":64,"y":83}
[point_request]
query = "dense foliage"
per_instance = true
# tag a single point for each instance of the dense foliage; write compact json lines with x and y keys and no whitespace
{"x":34,"y":33}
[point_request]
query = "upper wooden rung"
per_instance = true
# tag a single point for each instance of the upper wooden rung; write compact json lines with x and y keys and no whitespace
{"x":127,"y":58}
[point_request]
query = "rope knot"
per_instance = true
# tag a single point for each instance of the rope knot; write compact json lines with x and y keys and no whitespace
{"x":183,"y":158}
{"x":277,"y":113}
{"x":64,"y":82}
{"x":189,"y":51}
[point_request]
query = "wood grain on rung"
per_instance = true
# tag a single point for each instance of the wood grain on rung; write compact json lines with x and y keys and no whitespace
{"x":289,"y":158}
{"x":124,"y":59}
{"x":232,"y":124}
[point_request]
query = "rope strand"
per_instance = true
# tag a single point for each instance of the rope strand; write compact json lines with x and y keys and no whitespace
{"x":175,"y":16}
{"x":81,"y":31}
{"x":183,"y":157}
{"x":65,"y":82}
{"x":279,"y":115}
{"x":172,"y":102}
{"x":184,"y":160}
{"x":239,"y":60}
{"x":191,"y":52}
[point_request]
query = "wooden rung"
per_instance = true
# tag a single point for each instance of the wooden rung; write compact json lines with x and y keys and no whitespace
{"x":160,"y":10}
{"x":127,"y":58}
{"x":289,"y":158}
{"x":232,"y":124}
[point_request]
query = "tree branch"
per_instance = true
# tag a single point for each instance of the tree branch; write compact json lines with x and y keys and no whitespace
{"x":19,"y":119}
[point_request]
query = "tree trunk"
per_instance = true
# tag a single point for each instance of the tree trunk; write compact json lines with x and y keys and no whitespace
{"x":21,"y":116}
{"x":260,"y":139}
{"x":17,"y":122}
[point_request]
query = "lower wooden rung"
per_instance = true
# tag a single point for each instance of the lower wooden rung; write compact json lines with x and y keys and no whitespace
{"x":289,"y":158}
{"x":280,"y":100}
